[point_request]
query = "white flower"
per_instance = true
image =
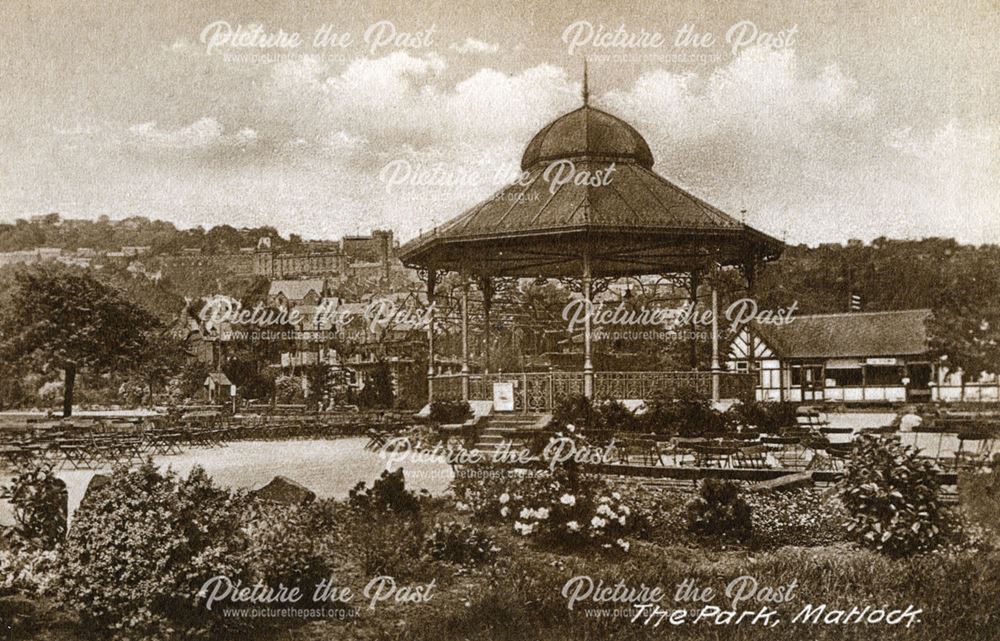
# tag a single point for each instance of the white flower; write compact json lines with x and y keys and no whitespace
{"x":570,"y":428}
{"x":621,"y":520}
{"x":525,"y":513}
{"x":616,"y":496}
{"x":604,"y":499}
{"x":505,"y":511}
{"x":604,"y":510}
{"x":504,"y":497}
{"x":568,"y":499}
{"x":624,"y":510}
{"x":461,"y":507}
{"x":542,"y":513}
{"x":598,"y":522}
{"x":573,"y":526}
{"x":623,"y":544}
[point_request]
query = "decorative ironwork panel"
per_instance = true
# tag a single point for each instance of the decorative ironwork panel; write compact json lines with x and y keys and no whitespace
{"x":566,"y":384}
{"x":537,"y":391}
{"x":447,"y":388}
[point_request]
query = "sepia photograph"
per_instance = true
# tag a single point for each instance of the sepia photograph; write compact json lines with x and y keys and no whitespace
{"x":473,"y":321}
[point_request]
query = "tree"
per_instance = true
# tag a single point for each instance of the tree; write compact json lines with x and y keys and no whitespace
{"x":64,"y":318}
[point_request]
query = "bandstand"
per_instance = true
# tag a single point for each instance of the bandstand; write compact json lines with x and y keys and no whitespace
{"x":614,"y":218}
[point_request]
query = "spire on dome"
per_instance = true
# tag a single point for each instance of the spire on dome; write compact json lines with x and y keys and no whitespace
{"x":586,"y":89}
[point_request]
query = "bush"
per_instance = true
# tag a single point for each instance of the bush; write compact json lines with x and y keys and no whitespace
{"x":449,"y":412}
{"x":378,"y":390}
{"x":143,"y":546}
{"x":764,"y":416}
{"x":892,"y":499}
{"x":719,"y":511}
{"x":39,"y":502}
{"x":288,"y":390}
{"x":385,"y":530}
{"x":612,"y":415}
{"x":689,"y":414}
{"x":388,"y":494}
{"x":584,"y":414}
{"x":455,"y":542}
{"x":575,"y":410}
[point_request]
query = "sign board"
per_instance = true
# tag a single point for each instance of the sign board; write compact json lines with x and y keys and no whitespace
{"x":503,"y":397}
{"x":880,"y":361}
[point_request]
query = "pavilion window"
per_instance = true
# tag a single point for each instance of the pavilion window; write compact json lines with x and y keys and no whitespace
{"x":807,"y":375}
{"x":884,"y":374}
{"x":845,"y":376}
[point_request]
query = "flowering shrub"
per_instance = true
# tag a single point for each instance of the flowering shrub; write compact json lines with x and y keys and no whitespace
{"x":39,"y":502}
{"x":720,"y":511}
{"x":801,"y":517}
{"x":562,"y":506}
{"x":27,"y":570}
{"x":458,"y":543}
{"x":145,"y":543}
{"x":892,"y":499}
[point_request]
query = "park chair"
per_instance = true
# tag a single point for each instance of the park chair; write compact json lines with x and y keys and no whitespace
{"x":974,"y":450}
{"x":714,"y":455}
{"x":786,"y":449}
{"x":752,"y":456}
{"x":838,"y":454}
{"x":640,"y":451}
{"x":810,"y":418}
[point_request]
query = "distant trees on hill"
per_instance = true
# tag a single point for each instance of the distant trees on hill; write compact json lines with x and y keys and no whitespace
{"x":51,"y":230}
{"x":960,"y":283}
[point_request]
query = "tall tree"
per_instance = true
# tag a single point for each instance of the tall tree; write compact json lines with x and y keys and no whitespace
{"x":64,"y":318}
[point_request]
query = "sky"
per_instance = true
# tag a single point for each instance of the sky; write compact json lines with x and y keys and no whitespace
{"x":327,"y":118}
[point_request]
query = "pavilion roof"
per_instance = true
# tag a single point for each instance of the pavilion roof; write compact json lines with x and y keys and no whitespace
{"x":856,"y":334}
{"x":588,"y":188}
{"x":638,"y":222}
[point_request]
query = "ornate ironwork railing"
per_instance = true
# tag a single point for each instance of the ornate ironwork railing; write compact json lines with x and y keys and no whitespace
{"x":542,"y":391}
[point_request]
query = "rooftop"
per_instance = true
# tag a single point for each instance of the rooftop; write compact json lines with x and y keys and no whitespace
{"x":858,"y":334}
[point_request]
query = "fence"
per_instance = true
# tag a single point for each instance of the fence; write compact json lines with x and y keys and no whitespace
{"x":542,"y":391}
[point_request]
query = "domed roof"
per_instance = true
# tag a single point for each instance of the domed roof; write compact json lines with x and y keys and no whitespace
{"x":587,"y":132}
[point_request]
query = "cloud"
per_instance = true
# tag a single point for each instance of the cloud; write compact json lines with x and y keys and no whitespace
{"x":201,"y":134}
{"x":474,"y":46}
{"x":804,"y":149}
{"x":809,"y":152}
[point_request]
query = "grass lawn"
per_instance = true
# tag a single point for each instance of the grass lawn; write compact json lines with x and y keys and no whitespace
{"x":521,"y":598}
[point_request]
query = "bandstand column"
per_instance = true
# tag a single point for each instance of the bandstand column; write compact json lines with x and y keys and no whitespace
{"x":486,"y":287}
{"x":465,"y":337}
{"x":431,"y":284}
{"x":695,"y":281}
{"x":588,"y":365}
{"x":749,"y":274}
{"x":715,"y":344}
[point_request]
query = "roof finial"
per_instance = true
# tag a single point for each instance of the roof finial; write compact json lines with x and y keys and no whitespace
{"x":586,"y":89}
